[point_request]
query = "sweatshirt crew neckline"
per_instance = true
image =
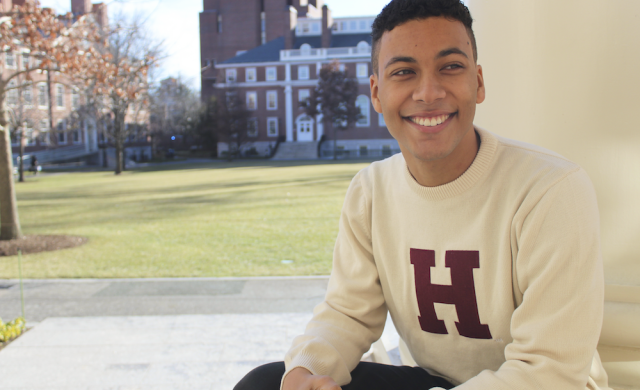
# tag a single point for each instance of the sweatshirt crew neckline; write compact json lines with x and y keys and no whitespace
{"x":478,"y":168}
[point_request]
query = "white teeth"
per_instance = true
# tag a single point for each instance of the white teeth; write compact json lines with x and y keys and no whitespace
{"x":429,"y":122}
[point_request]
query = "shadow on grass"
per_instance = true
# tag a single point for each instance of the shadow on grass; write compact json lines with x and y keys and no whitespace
{"x":101,"y":205}
{"x":105,"y":191}
{"x":213,"y":164}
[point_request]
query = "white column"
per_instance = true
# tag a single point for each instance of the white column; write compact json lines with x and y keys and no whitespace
{"x":571,"y":86}
{"x":94,"y":135}
{"x":318,"y":66}
{"x":87,"y":146}
{"x":564,"y":75}
{"x":288,"y":99}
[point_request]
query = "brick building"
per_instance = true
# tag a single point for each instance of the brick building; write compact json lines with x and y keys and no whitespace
{"x":75,"y":136}
{"x":269,"y":52}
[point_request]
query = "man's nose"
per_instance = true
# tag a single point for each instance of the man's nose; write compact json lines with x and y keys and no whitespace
{"x":429,"y":89}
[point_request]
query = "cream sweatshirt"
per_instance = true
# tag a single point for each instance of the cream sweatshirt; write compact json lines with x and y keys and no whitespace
{"x":494,"y":280}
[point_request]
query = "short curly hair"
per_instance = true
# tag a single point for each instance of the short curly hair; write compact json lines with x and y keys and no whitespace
{"x":398,"y":12}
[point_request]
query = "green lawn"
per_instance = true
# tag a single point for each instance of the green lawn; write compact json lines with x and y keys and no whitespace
{"x":218,"y":219}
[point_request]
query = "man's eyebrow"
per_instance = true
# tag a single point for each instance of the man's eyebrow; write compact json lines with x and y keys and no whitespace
{"x":450,"y":51}
{"x":400,"y":59}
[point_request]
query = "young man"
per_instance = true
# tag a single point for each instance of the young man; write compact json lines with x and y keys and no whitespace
{"x":484,"y":250}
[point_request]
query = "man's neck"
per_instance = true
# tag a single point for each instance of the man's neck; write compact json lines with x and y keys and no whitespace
{"x":438,"y":172}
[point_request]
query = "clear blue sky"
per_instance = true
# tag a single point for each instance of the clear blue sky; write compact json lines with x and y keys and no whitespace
{"x":176,"y":22}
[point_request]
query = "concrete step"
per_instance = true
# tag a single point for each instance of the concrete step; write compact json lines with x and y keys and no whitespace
{"x":297,"y":151}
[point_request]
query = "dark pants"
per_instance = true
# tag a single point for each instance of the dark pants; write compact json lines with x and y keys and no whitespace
{"x":366,"y":376}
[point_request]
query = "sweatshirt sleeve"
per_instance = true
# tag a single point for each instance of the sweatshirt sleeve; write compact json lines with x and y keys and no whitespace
{"x":559,"y":285}
{"x":353,"y":313}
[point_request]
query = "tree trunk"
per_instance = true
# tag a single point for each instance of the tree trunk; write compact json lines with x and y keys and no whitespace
{"x":50,"y":104}
{"x":124,"y":158}
{"x":105,"y":162}
{"x":118,"y":157}
{"x":21,"y":168}
{"x":335,"y":143}
{"x":118,"y":136}
{"x":9,"y":221}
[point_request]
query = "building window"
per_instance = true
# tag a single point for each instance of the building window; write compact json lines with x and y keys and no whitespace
{"x":62,"y":136}
{"x":364,"y":150}
{"x":303,"y":72}
{"x":305,"y":28}
{"x":252,"y":100}
{"x":251,"y":75}
{"x":28,"y":136}
{"x":386,"y":150}
{"x":25,"y":60}
{"x":252,"y":127}
{"x":219,"y":23}
{"x":10,"y":59}
{"x":303,"y":95}
{"x":75,"y":99}
{"x":362,"y":102}
{"x":272,"y":127}
{"x":44,"y":125}
{"x":42,"y":95}
{"x":363,"y":47}
{"x":76,"y":136}
{"x":353,"y":25}
{"x":381,"y":122}
{"x":60,"y":96}
{"x":232,"y":98}
{"x":27,"y":96}
{"x":362,"y":70}
{"x":272,"y":100}
{"x":12,"y":94}
{"x":305,"y":49}
{"x":272,"y":74}
{"x":315,"y":27}
{"x":231,"y":75}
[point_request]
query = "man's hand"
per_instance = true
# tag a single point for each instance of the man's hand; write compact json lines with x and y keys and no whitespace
{"x":301,"y":379}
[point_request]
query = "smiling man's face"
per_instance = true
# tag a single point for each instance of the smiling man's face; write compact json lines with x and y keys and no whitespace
{"x":427,"y":86}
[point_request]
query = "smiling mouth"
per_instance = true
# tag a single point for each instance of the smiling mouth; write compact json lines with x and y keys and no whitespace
{"x":429,"y":122}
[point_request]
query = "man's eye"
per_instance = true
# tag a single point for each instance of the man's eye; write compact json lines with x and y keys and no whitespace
{"x":403,"y":72}
{"x":453,"y":67}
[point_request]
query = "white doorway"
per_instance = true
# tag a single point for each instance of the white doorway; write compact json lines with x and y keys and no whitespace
{"x":304,"y":125}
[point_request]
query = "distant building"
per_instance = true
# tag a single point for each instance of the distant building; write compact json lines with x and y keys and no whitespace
{"x":270,"y":53}
{"x":74,"y":137}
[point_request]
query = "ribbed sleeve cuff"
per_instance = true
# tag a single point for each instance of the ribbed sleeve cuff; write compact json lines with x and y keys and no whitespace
{"x":305,"y":361}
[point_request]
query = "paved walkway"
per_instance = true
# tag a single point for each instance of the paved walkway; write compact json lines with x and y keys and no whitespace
{"x":203,"y":333}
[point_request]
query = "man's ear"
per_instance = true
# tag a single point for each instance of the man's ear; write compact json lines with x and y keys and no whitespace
{"x":480,"y":93}
{"x":375,"y":99}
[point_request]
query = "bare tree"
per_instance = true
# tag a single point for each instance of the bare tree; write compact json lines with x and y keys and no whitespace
{"x":57,"y":43}
{"x":133,"y":54}
{"x":335,"y":98}
{"x":22,"y":119}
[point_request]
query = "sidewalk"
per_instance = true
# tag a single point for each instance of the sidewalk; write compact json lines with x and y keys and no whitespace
{"x":203,"y":333}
